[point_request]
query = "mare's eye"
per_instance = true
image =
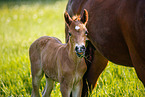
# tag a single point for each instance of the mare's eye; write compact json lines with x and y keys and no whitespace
{"x":86,"y":32}
{"x":69,"y":34}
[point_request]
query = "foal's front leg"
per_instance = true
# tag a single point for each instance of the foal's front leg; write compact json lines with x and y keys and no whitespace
{"x":65,"y":90}
{"x":77,"y":90}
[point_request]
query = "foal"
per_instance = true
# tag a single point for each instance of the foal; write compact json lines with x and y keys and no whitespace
{"x":60,"y":62}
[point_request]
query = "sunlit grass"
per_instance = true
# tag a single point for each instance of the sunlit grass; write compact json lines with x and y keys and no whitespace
{"x":20,"y":25}
{"x":119,"y":81}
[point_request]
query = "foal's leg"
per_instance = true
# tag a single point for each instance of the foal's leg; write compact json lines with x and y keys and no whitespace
{"x":37,"y":74}
{"x":77,"y":91}
{"x":65,"y":90}
{"x":36,"y":79}
{"x":48,"y":87}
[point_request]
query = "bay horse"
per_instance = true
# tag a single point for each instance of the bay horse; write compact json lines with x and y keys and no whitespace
{"x":59,"y":62}
{"x":116,"y":33}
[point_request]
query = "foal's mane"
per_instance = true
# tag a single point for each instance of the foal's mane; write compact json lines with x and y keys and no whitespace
{"x":76,"y":18}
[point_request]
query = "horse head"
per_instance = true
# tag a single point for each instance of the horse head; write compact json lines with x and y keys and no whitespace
{"x":77,"y":32}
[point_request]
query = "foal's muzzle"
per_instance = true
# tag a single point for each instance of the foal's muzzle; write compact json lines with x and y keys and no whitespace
{"x":80,"y":50}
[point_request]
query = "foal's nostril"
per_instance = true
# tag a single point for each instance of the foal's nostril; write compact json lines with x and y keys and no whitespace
{"x":76,"y":48}
{"x":82,"y":48}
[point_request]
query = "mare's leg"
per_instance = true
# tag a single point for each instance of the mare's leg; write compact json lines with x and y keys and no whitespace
{"x":139,"y":65}
{"x":94,"y":69}
{"x":77,"y":90}
{"x":48,"y":87}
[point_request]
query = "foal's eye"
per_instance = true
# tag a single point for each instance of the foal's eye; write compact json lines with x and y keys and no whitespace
{"x":86,"y":32}
{"x":69,"y":34}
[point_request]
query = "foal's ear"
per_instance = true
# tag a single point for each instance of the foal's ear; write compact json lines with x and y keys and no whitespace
{"x":68,"y":19}
{"x":84,"y":18}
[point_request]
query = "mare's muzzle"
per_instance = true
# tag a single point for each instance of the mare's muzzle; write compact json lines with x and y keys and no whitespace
{"x":80,"y":50}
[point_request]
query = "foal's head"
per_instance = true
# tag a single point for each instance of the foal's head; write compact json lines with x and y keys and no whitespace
{"x":77,"y":32}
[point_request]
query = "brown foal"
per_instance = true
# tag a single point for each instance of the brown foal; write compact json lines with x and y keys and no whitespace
{"x":60,"y":62}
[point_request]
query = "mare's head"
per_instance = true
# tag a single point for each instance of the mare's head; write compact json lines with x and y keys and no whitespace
{"x":77,"y":32}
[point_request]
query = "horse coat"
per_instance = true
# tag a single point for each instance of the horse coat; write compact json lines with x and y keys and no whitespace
{"x":116,"y":33}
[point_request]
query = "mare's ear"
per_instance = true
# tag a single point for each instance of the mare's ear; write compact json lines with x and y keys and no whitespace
{"x":84,"y":18}
{"x":68,"y":19}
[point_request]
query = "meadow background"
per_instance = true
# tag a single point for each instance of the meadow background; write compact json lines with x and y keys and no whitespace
{"x":22,"y":22}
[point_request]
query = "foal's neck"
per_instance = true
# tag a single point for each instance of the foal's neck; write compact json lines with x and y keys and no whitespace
{"x":71,"y":52}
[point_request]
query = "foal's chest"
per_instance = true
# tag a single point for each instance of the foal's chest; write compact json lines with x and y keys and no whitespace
{"x":78,"y":73}
{"x":77,"y":78}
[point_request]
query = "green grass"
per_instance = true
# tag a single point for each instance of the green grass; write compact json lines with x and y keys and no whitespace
{"x":21,"y":24}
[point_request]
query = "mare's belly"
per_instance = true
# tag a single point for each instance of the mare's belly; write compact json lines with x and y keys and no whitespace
{"x":115,"y":51}
{"x":109,"y":42}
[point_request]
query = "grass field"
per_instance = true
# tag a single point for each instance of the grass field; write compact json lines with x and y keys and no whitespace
{"x":22,"y":23}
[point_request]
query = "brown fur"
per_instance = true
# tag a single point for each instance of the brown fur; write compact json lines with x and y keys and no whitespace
{"x":117,"y":32}
{"x":59,"y":62}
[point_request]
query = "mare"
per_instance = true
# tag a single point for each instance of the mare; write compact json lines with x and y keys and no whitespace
{"x":116,"y":33}
{"x":59,"y":62}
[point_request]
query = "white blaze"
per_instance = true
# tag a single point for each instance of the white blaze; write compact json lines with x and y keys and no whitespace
{"x":77,"y":28}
